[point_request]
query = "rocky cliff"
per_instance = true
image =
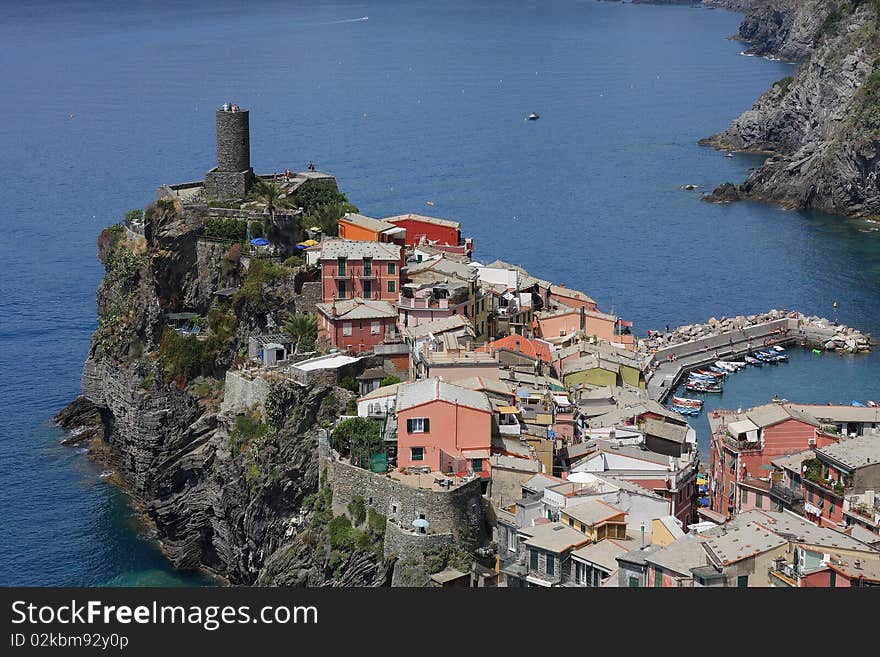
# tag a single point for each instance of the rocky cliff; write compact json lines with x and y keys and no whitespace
{"x":821,"y":127}
{"x":237,"y":496}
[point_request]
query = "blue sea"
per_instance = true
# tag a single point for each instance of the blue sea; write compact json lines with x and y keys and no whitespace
{"x":405,"y":102}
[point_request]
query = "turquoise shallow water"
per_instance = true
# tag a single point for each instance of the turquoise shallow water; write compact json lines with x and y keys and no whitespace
{"x":422,"y":101}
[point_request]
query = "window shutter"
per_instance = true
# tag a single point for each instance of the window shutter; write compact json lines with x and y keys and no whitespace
{"x":426,"y":423}
{"x":409,"y":426}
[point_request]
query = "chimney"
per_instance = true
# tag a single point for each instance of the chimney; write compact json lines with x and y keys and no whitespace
{"x":583,"y":318}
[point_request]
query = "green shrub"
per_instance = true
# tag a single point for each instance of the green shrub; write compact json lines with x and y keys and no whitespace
{"x":358,"y":436}
{"x":357,"y":510}
{"x":226,"y":228}
{"x":260,"y":274}
{"x":183,"y":357}
{"x":349,"y":383}
{"x":376,"y":522}
{"x":390,"y":381}
{"x":294,"y":261}
{"x":309,"y":198}
{"x":134,"y":216}
{"x":342,"y":534}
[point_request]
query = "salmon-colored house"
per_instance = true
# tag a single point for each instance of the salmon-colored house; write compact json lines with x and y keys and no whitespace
{"x":744,"y":444}
{"x":367,"y":270}
{"x":555,"y":324}
{"x":445,"y":427}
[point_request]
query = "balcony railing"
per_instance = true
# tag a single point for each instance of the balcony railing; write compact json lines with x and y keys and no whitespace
{"x":786,"y":494}
{"x":424,"y":303}
{"x":784,"y":573}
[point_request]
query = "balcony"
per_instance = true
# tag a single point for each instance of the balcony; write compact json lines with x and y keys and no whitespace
{"x":367,"y":274}
{"x":426,"y":303}
{"x":865,"y":513}
{"x":342,"y":275}
{"x":783,"y":574}
{"x":788,"y":496}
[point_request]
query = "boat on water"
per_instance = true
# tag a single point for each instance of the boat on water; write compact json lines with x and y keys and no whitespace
{"x":689,"y":411}
{"x":684,"y":401}
{"x":728,"y":155}
{"x":694,"y":386}
{"x":533,"y":117}
{"x":778,"y":348}
{"x":751,"y":360}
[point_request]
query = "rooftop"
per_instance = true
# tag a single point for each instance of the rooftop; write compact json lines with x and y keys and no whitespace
{"x":450,"y":323}
{"x":604,"y":553}
{"x":794,"y":461}
{"x":553,"y":537}
{"x":740,"y":543}
{"x":383,"y":391}
{"x":854,"y":452}
{"x":562,"y":291}
{"x":530,"y":347}
{"x":369,"y":223}
{"x":328,"y":362}
{"x":357,"y":308}
{"x":680,"y":556}
{"x":423,"y":219}
{"x":410,"y":395}
{"x":666,"y":430}
{"x":841,"y":413}
{"x":592,"y":512}
{"x":338,"y":248}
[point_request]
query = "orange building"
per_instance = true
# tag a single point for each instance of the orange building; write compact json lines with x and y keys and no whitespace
{"x":354,"y":226}
{"x":537,"y":349}
{"x":445,"y":427}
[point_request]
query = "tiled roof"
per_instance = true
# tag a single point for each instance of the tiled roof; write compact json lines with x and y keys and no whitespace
{"x":338,"y":248}
{"x":369,"y":223}
{"x":422,"y":218}
{"x":854,"y":452}
{"x":357,"y":308}
{"x":553,"y":537}
{"x":449,"y":323}
{"x":592,"y":512}
{"x":531,"y":348}
{"x":666,"y":430}
{"x":417,"y":393}
{"x":562,"y":291}
{"x":742,"y":543}
{"x":604,"y":553}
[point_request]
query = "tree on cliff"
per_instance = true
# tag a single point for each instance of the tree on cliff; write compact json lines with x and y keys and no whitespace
{"x":358,"y":436}
{"x":270,"y":195}
{"x":302,"y":328}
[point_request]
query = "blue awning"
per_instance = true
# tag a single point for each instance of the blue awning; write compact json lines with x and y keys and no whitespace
{"x":260,"y":241}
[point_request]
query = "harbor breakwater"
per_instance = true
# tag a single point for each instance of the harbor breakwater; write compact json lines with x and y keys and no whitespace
{"x":668,"y":356}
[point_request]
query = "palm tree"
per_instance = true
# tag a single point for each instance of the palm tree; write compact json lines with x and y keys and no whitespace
{"x":270,"y":195}
{"x":302,"y":328}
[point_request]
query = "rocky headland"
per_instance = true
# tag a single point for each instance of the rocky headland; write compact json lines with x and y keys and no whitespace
{"x":240,"y":496}
{"x":820,"y":127}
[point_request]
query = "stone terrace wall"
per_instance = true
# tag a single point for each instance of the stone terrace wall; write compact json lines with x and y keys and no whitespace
{"x":458,"y":512}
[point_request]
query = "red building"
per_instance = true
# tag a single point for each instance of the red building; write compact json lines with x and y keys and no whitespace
{"x":743,"y":445}
{"x":356,"y":324}
{"x":357,"y":269}
{"x":438,"y":233}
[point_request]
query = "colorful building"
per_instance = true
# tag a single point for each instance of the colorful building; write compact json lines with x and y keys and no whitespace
{"x":368,"y":270}
{"x":439,"y":233}
{"x":353,"y":226}
{"x":356,"y":324}
{"x":443,"y":426}
{"x":743,"y":445}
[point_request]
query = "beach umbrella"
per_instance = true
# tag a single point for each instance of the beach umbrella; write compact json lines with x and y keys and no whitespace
{"x":420,"y":523}
{"x":260,"y":241}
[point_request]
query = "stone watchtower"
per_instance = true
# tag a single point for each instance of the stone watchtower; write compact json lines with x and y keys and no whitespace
{"x":233,"y":175}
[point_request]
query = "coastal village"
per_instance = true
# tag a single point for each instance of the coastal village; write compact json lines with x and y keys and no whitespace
{"x":518,"y":420}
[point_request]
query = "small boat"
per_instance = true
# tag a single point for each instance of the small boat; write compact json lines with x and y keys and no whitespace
{"x":778,"y":348}
{"x":533,"y":117}
{"x":738,"y":364}
{"x":695,"y":387}
{"x":728,"y":155}
{"x":817,"y":351}
{"x":751,"y":360}
{"x":686,"y":410}
{"x":684,"y":401}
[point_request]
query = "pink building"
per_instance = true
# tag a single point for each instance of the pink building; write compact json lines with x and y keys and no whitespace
{"x":357,"y":324}
{"x":352,"y":268}
{"x":443,"y":426}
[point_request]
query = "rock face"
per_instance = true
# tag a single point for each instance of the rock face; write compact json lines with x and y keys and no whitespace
{"x":821,"y":128}
{"x":234,"y":504}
